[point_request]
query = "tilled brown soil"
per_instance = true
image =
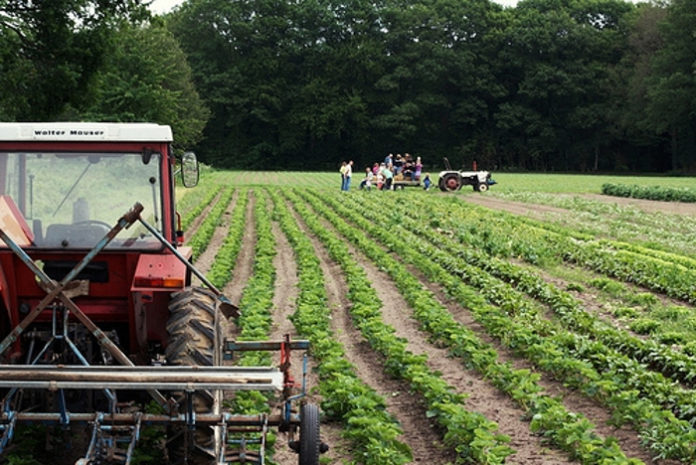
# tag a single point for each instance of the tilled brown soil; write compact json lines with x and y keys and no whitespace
{"x":406,"y":407}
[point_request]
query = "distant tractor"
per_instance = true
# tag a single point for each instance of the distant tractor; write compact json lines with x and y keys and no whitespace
{"x":451,"y":180}
{"x":98,"y":317}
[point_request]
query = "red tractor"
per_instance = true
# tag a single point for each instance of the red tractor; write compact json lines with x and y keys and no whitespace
{"x":97,"y":313}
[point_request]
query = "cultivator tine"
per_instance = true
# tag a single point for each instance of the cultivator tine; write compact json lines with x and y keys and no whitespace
{"x":112,"y":444}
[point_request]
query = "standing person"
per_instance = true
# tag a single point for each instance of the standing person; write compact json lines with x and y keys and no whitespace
{"x":388,"y":176}
{"x":389,"y":159}
{"x":348,"y":175}
{"x":426,"y":182}
{"x":375,"y":168}
{"x":343,"y":175}
{"x":418,"y":169}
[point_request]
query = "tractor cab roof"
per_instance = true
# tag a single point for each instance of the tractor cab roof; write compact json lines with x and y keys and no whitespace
{"x":83,"y":132}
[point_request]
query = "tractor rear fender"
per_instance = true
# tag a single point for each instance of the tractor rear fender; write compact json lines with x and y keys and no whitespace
{"x":156,"y":277}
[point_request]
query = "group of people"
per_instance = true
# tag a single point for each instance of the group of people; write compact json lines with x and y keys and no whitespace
{"x":382,"y":175}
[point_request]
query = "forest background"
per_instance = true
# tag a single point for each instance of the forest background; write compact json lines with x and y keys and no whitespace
{"x":549,"y":85}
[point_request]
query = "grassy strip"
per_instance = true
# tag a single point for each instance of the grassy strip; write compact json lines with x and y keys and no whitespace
{"x":372,"y":431}
{"x":568,"y":430}
{"x":543,"y":342}
{"x":200,"y":240}
{"x":473,"y":437}
{"x":221,"y":271}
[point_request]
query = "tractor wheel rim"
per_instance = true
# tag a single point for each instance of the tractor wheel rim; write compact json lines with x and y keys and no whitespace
{"x":452,"y":184}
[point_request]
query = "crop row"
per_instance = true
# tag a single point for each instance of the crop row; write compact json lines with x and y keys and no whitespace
{"x":373,"y":432}
{"x":568,"y":430}
{"x":195,"y":201}
{"x":472,"y":436}
{"x":501,"y":233}
{"x":535,"y":338}
{"x":669,"y":324}
{"x":569,"y":310}
{"x":657,"y":230}
{"x":221,"y":270}
{"x":255,"y":308}
{"x":201,"y":238}
{"x":669,"y":194}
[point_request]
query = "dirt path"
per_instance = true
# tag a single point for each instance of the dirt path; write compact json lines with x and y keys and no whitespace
{"x":574,"y":402}
{"x":407,"y":408}
{"x":205,"y":261}
{"x":533,"y":210}
{"x":245,"y":260}
{"x":284,"y":304}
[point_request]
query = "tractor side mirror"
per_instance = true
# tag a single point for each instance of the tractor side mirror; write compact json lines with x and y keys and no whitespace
{"x":189,"y":169}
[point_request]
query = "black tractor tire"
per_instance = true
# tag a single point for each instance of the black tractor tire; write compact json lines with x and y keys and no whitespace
{"x":482,"y":187}
{"x":194,"y":337}
{"x":310,"y":442}
{"x":450,"y":182}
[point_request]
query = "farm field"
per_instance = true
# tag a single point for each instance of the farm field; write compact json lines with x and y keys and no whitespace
{"x":506,"y":327}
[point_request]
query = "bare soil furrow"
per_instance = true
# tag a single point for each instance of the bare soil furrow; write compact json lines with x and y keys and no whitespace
{"x":284,"y":298}
{"x":195,"y":224}
{"x":245,"y":259}
{"x":406,"y":407}
{"x":206,"y":259}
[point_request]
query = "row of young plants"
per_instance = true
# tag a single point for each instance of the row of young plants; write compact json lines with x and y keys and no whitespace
{"x":666,"y":231}
{"x":544,"y":343}
{"x":220,"y":272}
{"x":255,"y":314}
{"x":537,"y":242}
{"x":568,"y":430}
{"x":644,"y":313}
{"x":201,"y":238}
{"x":569,"y":310}
{"x":482,"y":270}
{"x":473,"y":437}
{"x":372,"y":431}
{"x":669,"y":194}
{"x":194,"y":202}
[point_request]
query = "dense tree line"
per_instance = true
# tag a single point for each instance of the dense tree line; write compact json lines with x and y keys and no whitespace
{"x":549,"y":85}
{"x":104,"y":60}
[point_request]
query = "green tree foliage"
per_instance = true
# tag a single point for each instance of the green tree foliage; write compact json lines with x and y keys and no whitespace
{"x":145,"y":77}
{"x":49,"y":51}
{"x":672,"y":85}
